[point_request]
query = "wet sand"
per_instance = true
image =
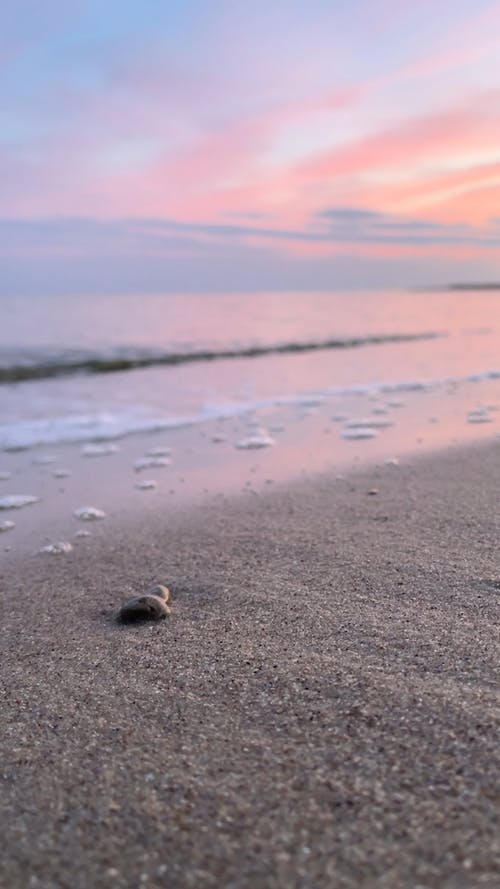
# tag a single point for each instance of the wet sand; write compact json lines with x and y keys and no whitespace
{"x":319,"y":710}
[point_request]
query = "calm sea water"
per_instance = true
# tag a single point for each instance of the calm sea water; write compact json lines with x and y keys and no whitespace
{"x":81,"y":368}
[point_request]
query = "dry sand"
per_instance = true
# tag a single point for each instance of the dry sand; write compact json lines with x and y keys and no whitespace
{"x":318,"y":711}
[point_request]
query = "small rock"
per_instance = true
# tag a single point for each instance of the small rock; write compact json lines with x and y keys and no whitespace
{"x":146,"y":485}
{"x":89,"y":513}
{"x":7,"y":526}
{"x":83,"y":533}
{"x":4,"y":476}
{"x":44,"y":459}
{"x":147,"y":607}
{"x":57,"y":549}
{"x":61,"y":473}
{"x":373,"y":491}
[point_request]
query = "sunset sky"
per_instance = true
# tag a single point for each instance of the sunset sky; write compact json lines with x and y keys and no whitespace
{"x":208,"y":144}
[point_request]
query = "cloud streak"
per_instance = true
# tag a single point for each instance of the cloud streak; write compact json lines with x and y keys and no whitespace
{"x":287,"y":129}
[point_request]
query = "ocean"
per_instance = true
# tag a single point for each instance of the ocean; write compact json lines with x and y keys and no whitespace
{"x":84,"y":368}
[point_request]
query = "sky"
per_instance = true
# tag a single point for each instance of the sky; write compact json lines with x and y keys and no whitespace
{"x":197,"y":145}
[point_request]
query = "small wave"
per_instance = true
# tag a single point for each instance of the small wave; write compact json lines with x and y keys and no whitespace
{"x":112,"y":425}
{"x":32,"y":365}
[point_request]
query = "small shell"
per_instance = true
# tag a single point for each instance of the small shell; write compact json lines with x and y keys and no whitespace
{"x":159,"y":590}
{"x":148,"y":607}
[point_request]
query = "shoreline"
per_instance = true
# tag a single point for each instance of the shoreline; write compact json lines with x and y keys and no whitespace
{"x":321,"y":707}
{"x":215,"y":459}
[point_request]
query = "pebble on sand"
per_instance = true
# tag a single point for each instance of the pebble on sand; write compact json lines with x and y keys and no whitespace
{"x":146,"y":607}
{"x":16,"y":501}
{"x":7,"y":526}
{"x":89,"y":513}
{"x":57,"y":549}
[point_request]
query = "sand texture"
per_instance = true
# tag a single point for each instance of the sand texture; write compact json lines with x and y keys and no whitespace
{"x":319,"y":709}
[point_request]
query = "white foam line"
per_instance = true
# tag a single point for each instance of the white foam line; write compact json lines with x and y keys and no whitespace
{"x":111,"y":426}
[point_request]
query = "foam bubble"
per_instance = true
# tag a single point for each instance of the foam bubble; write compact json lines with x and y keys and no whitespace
{"x":16,"y":501}
{"x":57,"y":549}
{"x":368,"y":424}
{"x":89,"y":513}
{"x":99,"y":450}
{"x":7,"y":526}
{"x":251,"y":442}
{"x":364,"y":432}
{"x":150,"y":463}
{"x":479,"y":415}
{"x":158,"y":452}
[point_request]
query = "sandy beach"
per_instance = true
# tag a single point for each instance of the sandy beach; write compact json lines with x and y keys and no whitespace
{"x":320,"y":709}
